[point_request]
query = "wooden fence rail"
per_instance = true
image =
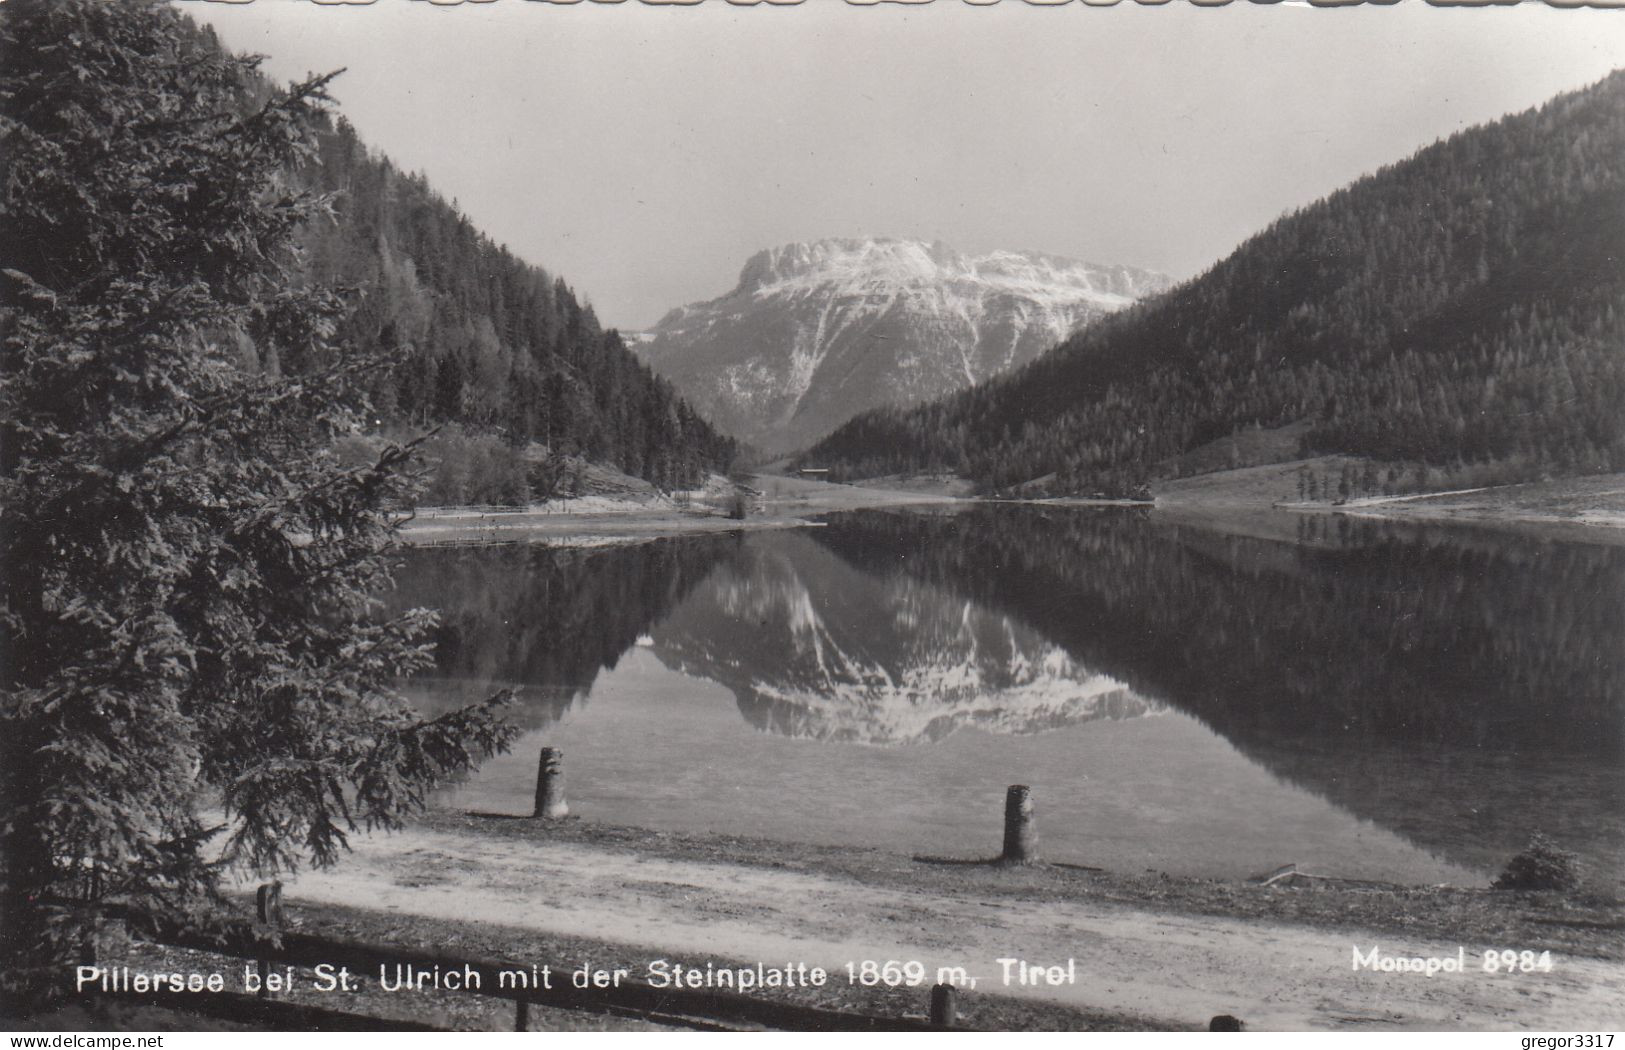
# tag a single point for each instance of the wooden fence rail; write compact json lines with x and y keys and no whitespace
{"x":688,"y":1007}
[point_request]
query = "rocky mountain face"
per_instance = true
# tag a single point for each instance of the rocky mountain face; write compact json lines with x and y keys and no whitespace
{"x":813,"y":648}
{"x":818,"y":332}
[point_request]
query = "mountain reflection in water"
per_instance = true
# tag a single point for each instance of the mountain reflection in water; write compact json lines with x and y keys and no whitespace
{"x":812,"y":647}
{"x":1456,"y":689}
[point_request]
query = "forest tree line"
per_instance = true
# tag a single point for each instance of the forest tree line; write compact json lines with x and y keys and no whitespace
{"x":1462,"y":308}
{"x":504,"y":357}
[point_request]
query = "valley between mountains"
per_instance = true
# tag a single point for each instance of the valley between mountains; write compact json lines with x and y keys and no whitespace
{"x":816,"y":333}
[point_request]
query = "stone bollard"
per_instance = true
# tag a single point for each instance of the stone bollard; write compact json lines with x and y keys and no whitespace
{"x":107,"y":941}
{"x":268,"y":909}
{"x":268,"y":904}
{"x":943,"y":1011}
{"x":550,"y":804}
{"x":1020,"y":830}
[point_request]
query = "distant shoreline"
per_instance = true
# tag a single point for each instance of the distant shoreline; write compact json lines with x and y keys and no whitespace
{"x":562,"y":526}
{"x":774,"y":503}
{"x":1590,"y":509}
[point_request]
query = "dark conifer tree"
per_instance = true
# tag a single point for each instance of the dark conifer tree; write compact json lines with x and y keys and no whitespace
{"x":195,"y":674}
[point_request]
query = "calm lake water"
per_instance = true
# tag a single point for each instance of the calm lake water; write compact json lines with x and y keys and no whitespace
{"x":1405,"y":703}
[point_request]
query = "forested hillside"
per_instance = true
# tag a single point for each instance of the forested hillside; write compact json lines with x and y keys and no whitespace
{"x":475,"y":336}
{"x":817,"y":332}
{"x":482,"y":338}
{"x":1461,"y":308}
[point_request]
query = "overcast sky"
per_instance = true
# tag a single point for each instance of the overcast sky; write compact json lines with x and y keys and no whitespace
{"x":644,"y":152}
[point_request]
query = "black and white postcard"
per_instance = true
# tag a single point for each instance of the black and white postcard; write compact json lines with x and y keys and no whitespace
{"x":812,"y":516}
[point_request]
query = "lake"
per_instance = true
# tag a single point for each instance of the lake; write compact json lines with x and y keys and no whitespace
{"x":1407,"y":703}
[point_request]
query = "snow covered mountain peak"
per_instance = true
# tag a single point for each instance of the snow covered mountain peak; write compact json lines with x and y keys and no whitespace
{"x":816,"y":332}
{"x":886,"y":264}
